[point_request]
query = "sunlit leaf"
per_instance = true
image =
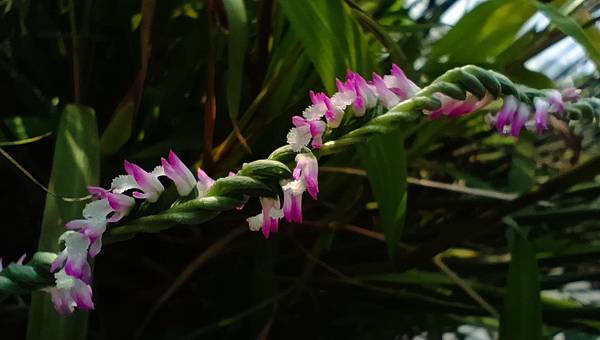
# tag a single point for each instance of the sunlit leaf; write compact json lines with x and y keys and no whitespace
{"x":385,"y":160}
{"x":75,"y":166}
{"x":522,"y":314}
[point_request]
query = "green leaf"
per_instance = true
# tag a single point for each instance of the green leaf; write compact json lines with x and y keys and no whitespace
{"x":238,"y":42}
{"x":571,"y":28}
{"x":522,"y":169}
{"x":119,"y":129}
{"x":484,"y":32}
{"x":522,"y":314}
{"x":329,"y":36}
{"x":22,"y":130}
{"x":385,"y":161}
{"x":75,"y":166}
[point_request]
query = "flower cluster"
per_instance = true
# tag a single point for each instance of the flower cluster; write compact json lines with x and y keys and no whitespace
{"x":515,"y":114}
{"x":356,"y":93}
{"x":83,"y":239}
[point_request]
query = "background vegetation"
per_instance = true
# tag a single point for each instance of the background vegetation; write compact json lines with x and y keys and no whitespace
{"x":217,"y":81}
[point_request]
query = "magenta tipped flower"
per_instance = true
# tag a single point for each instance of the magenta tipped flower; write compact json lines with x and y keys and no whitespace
{"x":555,"y":99}
{"x":98,"y":192}
{"x":366,"y":98}
{"x":70,"y":293}
{"x":388,"y":98}
{"x":519,"y":120}
{"x":179,"y":173}
{"x":292,"y":200}
{"x":505,"y":116}
{"x":204,"y":184}
{"x":541,"y":114}
{"x":268,"y":219}
{"x":571,"y":94}
{"x":319,"y":105}
{"x":93,"y":228}
{"x":399,"y":83}
{"x":147,"y":182}
{"x":121,"y":204}
{"x":315,"y":128}
{"x":307,"y":169}
{"x":455,"y":108}
{"x":74,"y":256}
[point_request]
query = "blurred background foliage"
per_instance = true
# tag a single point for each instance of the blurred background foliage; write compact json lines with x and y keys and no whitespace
{"x":218,"y":80}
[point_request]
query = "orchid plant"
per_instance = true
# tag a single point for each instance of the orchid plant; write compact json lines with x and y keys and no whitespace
{"x":356,"y":97}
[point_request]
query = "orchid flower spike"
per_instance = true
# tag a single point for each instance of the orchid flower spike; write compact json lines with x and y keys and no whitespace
{"x":307,"y":170}
{"x":268,"y":219}
{"x":147,"y":182}
{"x":70,"y":293}
{"x":176,"y":171}
{"x":74,"y":256}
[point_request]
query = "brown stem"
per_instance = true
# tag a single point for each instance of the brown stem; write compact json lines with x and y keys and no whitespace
{"x":76,"y":61}
{"x":210,"y":107}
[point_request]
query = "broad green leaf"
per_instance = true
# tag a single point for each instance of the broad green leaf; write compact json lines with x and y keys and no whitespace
{"x":22,"y":130}
{"x":75,"y":166}
{"x":238,"y":42}
{"x":329,"y":36}
{"x":484,"y":32}
{"x":385,"y":161}
{"x":522,"y":314}
{"x":571,"y":28}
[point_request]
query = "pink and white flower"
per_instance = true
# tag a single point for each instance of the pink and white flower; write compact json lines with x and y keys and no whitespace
{"x":455,"y":108}
{"x":519,"y":120}
{"x":121,"y":205}
{"x":399,"y":83}
{"x":204,"y":183}
{"x":70,"y":293}
{"x":316,"y":128}
{"x":307,"y":170}
{"x":365,"y":96}
{"x":386,"y":96}
{"x":145,"y":181}
{"x":540,"y":118}
{"x":268,"y":219}
{"x":555,"y":99}
{"x":179,"y":173}
{"x":292,"y":199}
{"x":74,"y":256}
{"x":571,"y":94}
{"x":506,"y":114}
